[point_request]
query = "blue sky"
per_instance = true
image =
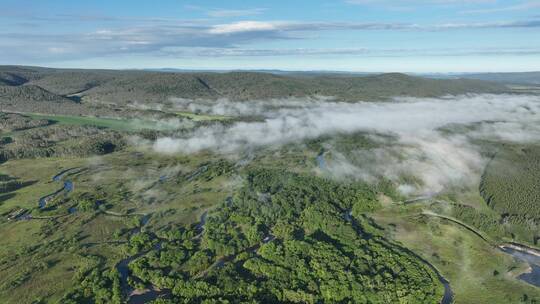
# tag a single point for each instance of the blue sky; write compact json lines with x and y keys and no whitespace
{"x":348,"y":35}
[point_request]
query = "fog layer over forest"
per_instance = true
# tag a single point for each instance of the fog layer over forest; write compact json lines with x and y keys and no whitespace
{"x":427,"y":142}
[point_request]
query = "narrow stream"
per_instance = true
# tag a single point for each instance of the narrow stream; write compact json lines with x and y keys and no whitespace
{"x":138,"y":296}
{"x":448,"y":296}
{"x":42,"y":203}
{"x":321,"y":162}
{"x":200,"y":225}
{"x":145,"y":296}
{"x":67,"y":188}
{"x":123,"y":269}
{"x":61,"y":174}
{"x":148,"y":296}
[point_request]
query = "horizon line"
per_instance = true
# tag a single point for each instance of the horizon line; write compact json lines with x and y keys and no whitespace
{"x":264,"y":70}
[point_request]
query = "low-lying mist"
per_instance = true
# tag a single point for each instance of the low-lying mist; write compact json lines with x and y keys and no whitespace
{"x":436,"y":138}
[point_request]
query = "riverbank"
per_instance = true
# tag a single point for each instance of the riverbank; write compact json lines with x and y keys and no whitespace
{"x":520,"y":252}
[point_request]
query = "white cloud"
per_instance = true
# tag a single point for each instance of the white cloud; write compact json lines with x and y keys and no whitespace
{"x":243,"y":26}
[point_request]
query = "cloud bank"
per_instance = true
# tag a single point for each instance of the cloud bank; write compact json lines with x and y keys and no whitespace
{"x":424,"y":148}
{"x":404,"y":117}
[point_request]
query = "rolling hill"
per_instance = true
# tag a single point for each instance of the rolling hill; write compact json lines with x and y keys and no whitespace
{"x":75,"y":89}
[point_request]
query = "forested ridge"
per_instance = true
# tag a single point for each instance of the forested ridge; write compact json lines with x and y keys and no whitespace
{"x":511,"y":187}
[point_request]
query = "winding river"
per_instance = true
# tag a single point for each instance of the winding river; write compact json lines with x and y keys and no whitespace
{"x":528,"y":255}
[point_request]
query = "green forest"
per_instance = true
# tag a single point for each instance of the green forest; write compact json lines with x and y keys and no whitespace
{"x":283,"y":237}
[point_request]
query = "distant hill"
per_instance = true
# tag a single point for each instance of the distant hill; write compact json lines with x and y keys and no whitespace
{"x":152,"y":86}
{"x":513,"y":78}
{"x":29,"y":93}
{"x":71,"y":86}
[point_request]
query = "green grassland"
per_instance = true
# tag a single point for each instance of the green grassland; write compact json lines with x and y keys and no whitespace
{"x":478,"y":272}
{"x":117,"y":124}
{"x":92,"y":230}
{"x":120,"y":124}
{"x":203,"y":117}
{"x":277,"y":228}
{"x":110,"y":123}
